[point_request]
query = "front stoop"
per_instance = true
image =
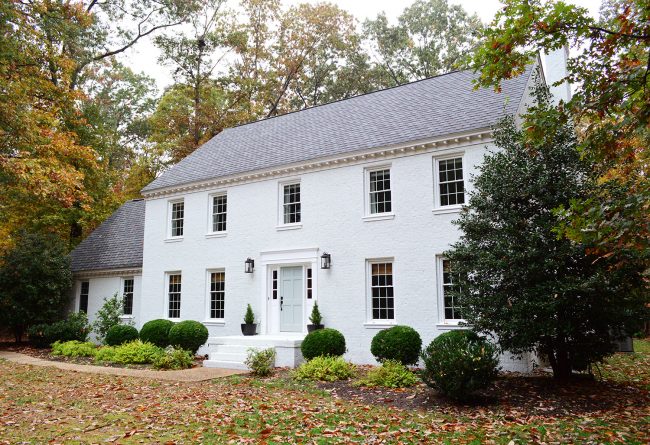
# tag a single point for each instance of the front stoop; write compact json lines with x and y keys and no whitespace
{"x":230,"y":352}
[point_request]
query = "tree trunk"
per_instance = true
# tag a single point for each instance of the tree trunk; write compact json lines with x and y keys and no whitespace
{"x":18,"y":333}
{"x":560,"y":361}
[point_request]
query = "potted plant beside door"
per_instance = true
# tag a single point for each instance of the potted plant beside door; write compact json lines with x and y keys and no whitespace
{"x":316,"y":319}
{"x":249,"y":327}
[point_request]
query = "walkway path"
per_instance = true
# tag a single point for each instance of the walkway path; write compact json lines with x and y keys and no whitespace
{"x":186,"y":375}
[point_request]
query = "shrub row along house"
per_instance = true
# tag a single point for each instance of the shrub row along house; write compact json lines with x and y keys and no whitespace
{"x":348,"y":204}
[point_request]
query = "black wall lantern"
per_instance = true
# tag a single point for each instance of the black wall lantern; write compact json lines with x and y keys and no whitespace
{"x":249,"y":265}
{"x":325,"y":261}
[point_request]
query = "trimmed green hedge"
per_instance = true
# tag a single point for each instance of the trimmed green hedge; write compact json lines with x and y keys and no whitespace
{"x":119,"y":334}
{"x":401,"y":343}
{"x":323,"y":342}
{"x":156,"y":332}
{"x":189,"y":335}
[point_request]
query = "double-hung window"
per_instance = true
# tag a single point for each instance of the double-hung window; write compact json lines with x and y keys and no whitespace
{"x":174,"y":296}
{"x":291,"y":203}
{"x":219,"y":212}
{"x":217,"y":295}
{"x":176,"y":220}
{"x":453,"y":312}
{"x":450,"y":182}
{"x":381,"y":291}
{"x":84,"y":290}
{"x":127,"y":295}
{"x":379,"y":199}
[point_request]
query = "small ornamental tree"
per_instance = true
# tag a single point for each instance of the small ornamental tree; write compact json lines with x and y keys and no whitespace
{"x":516,"y":277}
{"x":108,"y":316}
{"x":35,"y":281}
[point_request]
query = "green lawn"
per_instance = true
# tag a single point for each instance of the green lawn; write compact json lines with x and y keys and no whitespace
{"x":39,"y":405}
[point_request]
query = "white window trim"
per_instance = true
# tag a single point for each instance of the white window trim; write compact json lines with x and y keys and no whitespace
{"x":281,"y":224}
{"x":444,"y":323}
{"x":454,"y":208}
{"x":208,"y":311}
{"x":210,"y":233}
{"x":78,"y":305}
{"x":367,"y":216}
{"x":170,"y":204}
{"x":122,"y":280}
{"x":166,"y":299}
{"x":381,"y":323}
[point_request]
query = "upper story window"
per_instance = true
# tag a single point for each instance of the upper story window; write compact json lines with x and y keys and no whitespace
{"x":452,"y":310}
{"x":177,"y":217}
{"x":450,"y":182}
{"x":379,"y":191}
{"x":291,"y":203}
{"x":219,"y":212}
{"x":217,"y":294}
{"x":381,"y":290}
{"x":174,"y":296}
{"x":84,"y":290}
{"x":127,"y":294}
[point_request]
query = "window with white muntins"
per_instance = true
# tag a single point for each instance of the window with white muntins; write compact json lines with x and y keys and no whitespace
{"x":452,"y":311}
{"x":84,"y":290}
{"x":291,"y":210}
{"x":217,"y":295}
{"x":381,"y":290}
{"x":127,"y":295}
{"x":379,"y":198}
{"x":449,"y":182}
{"x":174,"y":295}
{"x":176,"y":218}
{"x":219,"y":213}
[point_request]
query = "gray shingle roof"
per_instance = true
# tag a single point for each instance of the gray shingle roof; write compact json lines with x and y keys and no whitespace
{"x":429,"y":108}
{"x":116,"y":244}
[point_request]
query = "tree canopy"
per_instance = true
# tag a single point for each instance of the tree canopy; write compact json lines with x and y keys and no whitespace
{"x":609,"y":67}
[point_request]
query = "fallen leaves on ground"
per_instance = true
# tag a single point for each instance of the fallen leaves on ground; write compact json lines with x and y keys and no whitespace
{"x":49,"y":405}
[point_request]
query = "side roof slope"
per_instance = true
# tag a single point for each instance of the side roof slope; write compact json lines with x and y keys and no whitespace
{"x":428,"y":108}
{"x":116,"y":244}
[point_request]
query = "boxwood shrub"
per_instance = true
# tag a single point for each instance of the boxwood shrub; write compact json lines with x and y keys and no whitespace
{"x":156,"y":332}
{"x":119,"y":334}
{"x":189,"y":335}
{"x":323,"y":342}
{"x":401,"y":343}
{"x":458,"y":363}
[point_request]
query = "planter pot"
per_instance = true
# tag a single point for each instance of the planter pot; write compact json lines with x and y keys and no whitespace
{"x":314,"y":327}
{"x":249,"y":329}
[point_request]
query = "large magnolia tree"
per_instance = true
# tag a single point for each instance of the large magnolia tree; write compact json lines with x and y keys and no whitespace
{"x":516,"y":278}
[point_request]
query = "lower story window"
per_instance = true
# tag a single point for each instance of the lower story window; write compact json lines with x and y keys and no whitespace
{"x":453,"y":311}
{"x":128,"y":296}
{"x":174,"y":296}
{"x":381,"y":288}
{"x":217,"y":294}
{"x":83,"y":296}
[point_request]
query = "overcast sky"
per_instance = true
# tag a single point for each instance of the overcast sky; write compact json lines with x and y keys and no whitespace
{"x":143,"y":58}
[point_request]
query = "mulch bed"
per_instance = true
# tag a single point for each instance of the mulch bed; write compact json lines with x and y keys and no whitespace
{"x":45,"y":354}
{"x":536,"y":395}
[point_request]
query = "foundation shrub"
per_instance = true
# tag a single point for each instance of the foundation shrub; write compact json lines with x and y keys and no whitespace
{"x":401,"y":343}
{"x":189,"y":335}
{"x":323,"y":342}
{"x":156,"y":332}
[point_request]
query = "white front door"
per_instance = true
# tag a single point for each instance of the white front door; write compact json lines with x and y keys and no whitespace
{"x":291,"y":299}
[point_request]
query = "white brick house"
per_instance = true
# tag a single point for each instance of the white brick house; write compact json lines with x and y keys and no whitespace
{"x":374,"y":181}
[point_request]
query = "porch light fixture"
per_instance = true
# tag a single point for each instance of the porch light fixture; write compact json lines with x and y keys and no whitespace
{"x":325,"y":260}
{"x":249,"y":265}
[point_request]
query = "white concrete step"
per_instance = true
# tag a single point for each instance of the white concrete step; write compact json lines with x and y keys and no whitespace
{"x":224,"y":364}
{"x":228,"y":356}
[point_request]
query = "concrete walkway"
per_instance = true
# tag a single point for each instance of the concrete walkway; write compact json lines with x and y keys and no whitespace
{"x":186,"y":375}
